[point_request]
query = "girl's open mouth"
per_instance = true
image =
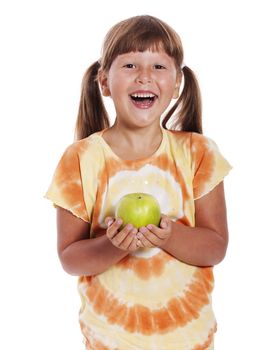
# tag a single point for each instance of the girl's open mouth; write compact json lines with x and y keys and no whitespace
{"x":143,"y":100}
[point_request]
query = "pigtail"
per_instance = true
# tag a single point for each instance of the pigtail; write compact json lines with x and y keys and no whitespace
{"x":92,"y":115}
{"x":189,"y":107}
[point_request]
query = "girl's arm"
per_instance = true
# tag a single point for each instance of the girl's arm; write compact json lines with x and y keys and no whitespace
{"x":81,"y":255}
{"x":202,"y":245}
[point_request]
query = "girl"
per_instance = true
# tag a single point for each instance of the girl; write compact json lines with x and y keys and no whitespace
{"x":146,"y":288}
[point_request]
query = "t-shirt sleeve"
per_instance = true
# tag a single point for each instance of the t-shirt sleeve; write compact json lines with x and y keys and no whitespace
{"x":208,"y":165}
{"x":66,"y":188}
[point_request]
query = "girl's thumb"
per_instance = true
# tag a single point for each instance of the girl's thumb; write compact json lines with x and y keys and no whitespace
{"x":109,"y":222}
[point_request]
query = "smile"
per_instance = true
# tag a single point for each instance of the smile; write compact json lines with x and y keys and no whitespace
{"x":143,"y":100}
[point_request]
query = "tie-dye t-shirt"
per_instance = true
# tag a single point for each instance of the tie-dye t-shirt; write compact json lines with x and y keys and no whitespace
{"x":150,"y":299}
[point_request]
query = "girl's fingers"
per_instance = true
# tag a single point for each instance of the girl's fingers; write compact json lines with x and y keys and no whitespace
{"x":138,"y":244}
{"x":128,"y":238}
{"x":135,"y":243}
{"x":163,"y":223}
{"x":128,"y":242}
{"x":146,"y":240}
{"x":113,"y":228}
{"x":161,"y":232}
{"x":108,"y":221}
{"x":121,"y":235}
{"x":152,"y":235}
{"x":123,"y":238}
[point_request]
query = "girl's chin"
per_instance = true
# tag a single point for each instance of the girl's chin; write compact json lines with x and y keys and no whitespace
{"x":139,"y":117}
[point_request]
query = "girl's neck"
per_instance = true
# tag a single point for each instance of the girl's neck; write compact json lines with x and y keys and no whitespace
{"x":130,"y":144}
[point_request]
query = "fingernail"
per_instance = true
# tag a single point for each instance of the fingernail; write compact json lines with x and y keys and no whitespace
{"x":163,"y":224}
{"x":109,"y":223}
{"x":119,"y":221}
{"x":150,"y":227}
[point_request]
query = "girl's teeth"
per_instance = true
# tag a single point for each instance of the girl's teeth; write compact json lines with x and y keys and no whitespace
{"x":143,"y":95}
{"x":142,"y":100}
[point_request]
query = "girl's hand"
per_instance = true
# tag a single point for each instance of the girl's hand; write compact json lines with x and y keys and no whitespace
{"x":124,"y":239}
{"x":152,"y":236}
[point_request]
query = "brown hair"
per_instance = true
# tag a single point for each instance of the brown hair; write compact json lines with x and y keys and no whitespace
{"x":139,"y":33}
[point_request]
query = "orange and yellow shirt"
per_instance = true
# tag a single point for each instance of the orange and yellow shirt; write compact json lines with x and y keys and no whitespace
{"x":149,"y":300}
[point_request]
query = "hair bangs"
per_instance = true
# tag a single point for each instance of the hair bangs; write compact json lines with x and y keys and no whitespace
{"x":141,"y":34}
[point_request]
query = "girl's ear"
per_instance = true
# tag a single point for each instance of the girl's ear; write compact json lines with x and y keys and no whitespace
{"x":177,"y":86}
{"x":103,"y":81}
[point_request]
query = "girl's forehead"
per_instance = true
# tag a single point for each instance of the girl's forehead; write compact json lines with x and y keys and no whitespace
{"x":148,"y":54}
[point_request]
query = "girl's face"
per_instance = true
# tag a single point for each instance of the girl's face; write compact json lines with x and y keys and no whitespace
{"x":141,"y":85}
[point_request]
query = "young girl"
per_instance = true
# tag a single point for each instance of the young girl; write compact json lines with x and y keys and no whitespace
{"x":146,"y":288}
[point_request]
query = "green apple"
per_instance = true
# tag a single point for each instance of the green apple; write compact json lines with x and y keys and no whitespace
{"x":138,"y":209}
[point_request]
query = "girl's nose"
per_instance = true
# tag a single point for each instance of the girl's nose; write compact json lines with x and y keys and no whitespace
{"x":144,"y":77}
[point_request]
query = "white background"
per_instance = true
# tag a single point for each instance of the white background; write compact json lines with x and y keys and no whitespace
{"x":46,"y":46}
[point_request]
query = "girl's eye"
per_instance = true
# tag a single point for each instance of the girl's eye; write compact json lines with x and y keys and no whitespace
{"x":129,"y":65}
{"x":159,"y":66}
